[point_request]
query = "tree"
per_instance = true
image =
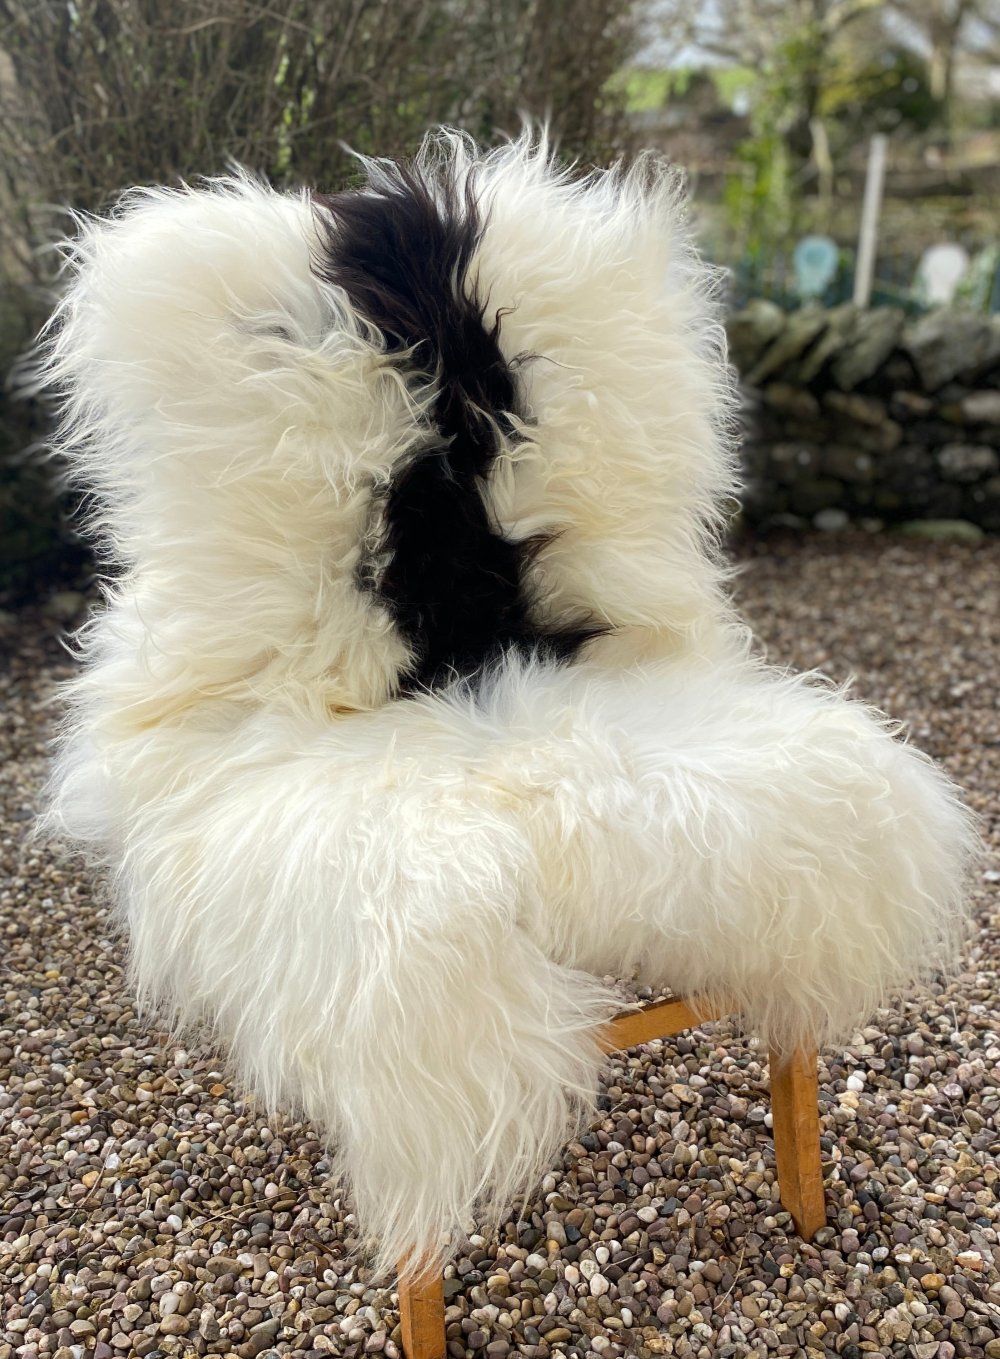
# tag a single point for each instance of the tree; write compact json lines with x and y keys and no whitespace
{"x":98,"y":94}
{"x":793,"y":46}
{"x":940,"y":30}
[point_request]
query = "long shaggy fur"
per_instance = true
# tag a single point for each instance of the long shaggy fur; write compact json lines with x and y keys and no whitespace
{"x":455,"y":584}
{"x":391,"y":906}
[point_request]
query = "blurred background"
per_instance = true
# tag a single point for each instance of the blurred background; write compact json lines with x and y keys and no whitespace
{"x":843,"y":158}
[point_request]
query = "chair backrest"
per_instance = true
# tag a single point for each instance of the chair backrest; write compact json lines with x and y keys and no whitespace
{"x":352,"y":445}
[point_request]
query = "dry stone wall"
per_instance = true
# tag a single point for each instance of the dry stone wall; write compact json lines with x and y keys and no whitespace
{"x":869,"y":416}
{"x":849,"y":416}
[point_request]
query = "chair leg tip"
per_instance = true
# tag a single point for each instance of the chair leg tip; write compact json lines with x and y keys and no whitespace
{"x":809,"y":1223}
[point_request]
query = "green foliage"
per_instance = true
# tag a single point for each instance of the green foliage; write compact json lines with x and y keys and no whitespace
{"x":890,"y":92}
{"x":759,"y":199}
{"x":977,"y":287}
{"x":643,"y":90}
{"x":734,"y":82}
{"x":816,"y":95}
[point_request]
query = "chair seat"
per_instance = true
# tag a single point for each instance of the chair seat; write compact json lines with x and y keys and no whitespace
{"x":347,"y":896}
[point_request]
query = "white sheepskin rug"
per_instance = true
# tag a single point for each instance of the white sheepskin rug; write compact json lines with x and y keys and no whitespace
{"x":417,"y":705}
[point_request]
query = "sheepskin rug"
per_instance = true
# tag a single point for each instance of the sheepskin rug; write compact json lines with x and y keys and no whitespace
{"x":416,"y":705}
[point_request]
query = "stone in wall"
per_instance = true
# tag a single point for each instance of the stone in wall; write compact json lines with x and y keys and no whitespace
{"x":751,"y":330}
{"x":842,"y":329}
{"x":873,"y":339}
{"x":981,"y":408}
{"x":797,"y":334}
{"x":870,"y":415}
{"x":967,"y":462}
{"x":947,"y":343}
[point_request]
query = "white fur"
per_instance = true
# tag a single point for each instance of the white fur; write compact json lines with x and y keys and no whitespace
{"x":394,"y":914}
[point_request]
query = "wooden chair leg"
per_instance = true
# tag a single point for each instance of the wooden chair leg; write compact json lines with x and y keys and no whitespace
{"x":795,"y":1115}
{"x":421,"y":1314}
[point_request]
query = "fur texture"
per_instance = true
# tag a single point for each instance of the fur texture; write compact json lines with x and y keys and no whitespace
{"x":454,"y":583}
{"x":339,"y":882}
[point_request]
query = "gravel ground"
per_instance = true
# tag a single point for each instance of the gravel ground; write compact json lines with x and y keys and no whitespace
{"x":146,"y":1208}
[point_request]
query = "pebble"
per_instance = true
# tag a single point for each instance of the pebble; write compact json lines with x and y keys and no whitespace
{"x":175,"y":1325}
{"x":148,"y":1209}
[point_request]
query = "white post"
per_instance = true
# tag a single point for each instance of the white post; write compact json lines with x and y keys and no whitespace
{"x":870,"y":210}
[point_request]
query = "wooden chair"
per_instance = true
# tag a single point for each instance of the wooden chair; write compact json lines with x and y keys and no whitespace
{"x":284,"y":408}
{"x":795,"y":1111}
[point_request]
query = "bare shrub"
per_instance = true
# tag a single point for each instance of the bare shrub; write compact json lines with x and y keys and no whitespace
{"x":97,"y":94}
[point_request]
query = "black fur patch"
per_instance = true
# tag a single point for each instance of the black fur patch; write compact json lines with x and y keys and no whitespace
{"x":453,"y":583}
